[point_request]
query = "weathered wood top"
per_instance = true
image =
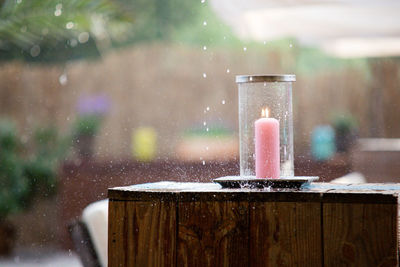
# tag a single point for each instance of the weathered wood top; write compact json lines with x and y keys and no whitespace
{"x":314,"y":192}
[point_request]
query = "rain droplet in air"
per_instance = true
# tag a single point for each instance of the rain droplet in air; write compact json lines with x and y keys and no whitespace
{"x":204,"y":47}
{"x":206,"y":147}
{"x":35,"y":51}
{"x":227,"y":71}
{"x":204,"y":123}
{"x":204,"y":75}
{"x":83,"y":37}
{"x":69,"y":25}
{"x":204,"y":163}
{"x":203,"y":1}
{"x":207,"y":129}
{"x":265,"y":42}
{"x":204,"y":23}
{"x":19,"y":1}
{"x":73,"y":42}
{"x":290,"y":45}
{"x":244,"y":48}
{"x":208,"y":108}
{"x":265,"y":83}
{"x":58,"y":12}
{"x":63,"y":79}
{"x":223,"y":102}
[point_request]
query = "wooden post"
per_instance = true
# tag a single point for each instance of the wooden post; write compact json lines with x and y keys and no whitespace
{"x":202,"y":225}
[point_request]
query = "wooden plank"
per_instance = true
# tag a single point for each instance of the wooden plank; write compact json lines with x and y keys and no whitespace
{"x":143,"y":234}
{"x":315,"y":192}
{"x":117,"y":238}
{"x":285,"y":234}
{"x":213,"y":234}
{"x":360,"y":234}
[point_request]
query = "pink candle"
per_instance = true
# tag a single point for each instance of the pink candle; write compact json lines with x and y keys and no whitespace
{"x":267,"y":146}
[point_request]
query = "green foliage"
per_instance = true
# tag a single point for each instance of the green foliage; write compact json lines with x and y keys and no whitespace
{"x":344,"y":123}
{"x":51,"y":30}
{"x":216,"y":131}
{"x":87,"y":124}
{"x":22,"y":176}
{"x":13,"y":184}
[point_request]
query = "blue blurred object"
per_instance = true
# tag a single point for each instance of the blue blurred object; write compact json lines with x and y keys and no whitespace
{"x":323,"y":142}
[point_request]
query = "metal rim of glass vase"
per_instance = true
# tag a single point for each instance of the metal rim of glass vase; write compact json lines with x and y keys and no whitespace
{"x":265,"y":78}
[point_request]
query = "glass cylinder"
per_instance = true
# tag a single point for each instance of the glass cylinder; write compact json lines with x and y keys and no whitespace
{"x":270,"y":97}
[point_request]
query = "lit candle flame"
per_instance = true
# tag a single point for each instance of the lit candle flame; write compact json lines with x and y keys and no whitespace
{"x":265,"y":112}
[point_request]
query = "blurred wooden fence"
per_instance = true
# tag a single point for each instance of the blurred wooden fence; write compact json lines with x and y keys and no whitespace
{"x":162,"y":86}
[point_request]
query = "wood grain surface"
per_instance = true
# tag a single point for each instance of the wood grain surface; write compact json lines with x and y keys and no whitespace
{"x":360,"y":234}
{"x":142,"y":233}
{"x":213,"y":234}
{"x":324,"y":225}
{"x":285,"y":234}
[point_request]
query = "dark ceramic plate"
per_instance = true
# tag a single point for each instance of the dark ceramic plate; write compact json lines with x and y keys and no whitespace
{"x":252,"y":182}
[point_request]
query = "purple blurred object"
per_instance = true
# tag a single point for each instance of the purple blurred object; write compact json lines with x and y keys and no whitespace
{"x":93,"y":105}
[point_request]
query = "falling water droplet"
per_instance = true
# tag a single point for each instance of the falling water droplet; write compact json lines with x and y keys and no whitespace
{"x":204,"y":23}
{"x":204,"y":75}
{"x":69,"y":25}
{"x":290,"y":45}
{"x":204,"y":163}
{"x":265,"y":83}
{"x":206,"y":147}
{"x":245,"y":49}
{"x":35,"y":51}
{"x":57,"y":13}
{"x":227,"y":71}
{"x":265,"y":42}
{"x":208,"y":108}
{"x":83,"y":37}
{"x":204,"y":47}
{"x":207,"y":129}
{"x":203,"y":1}
{"x":63,"y":79}
{"x":73,"y":42}
{"x":204,"y":123}
{"x":223,"y":102}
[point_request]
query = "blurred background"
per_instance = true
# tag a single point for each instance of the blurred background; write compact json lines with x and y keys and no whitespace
{"x":103,"y":93}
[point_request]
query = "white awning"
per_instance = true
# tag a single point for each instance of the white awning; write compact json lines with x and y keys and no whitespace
{"x":346,"y":28}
